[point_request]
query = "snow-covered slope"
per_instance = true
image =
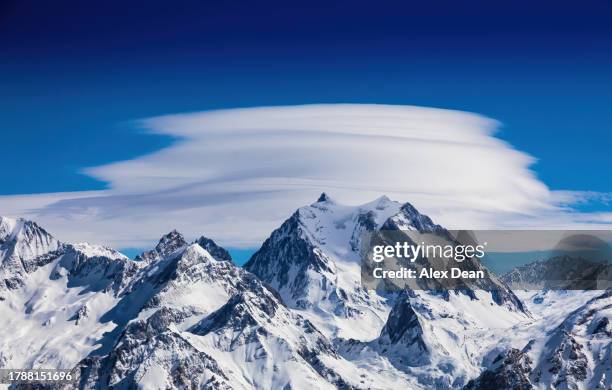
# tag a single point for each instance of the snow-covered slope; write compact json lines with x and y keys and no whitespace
{"x":53,"y":319}
{"x":567,"y":346}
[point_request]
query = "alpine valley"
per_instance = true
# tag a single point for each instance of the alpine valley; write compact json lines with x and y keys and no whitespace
{"x":296,"y":316}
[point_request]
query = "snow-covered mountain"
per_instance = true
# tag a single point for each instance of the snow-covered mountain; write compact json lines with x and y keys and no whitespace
{"x":314,"y":261}
{"x":206,"y":323}
{"x":175,"y":317}
{"x":24,"y":246}
{"x":183,"y":315}
{"x":560,"y":272}
{"x":565,"y":349}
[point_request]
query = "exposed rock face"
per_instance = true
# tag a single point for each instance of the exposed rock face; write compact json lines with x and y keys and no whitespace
{"x":403,"y":319}
{"x":215,"y":250}
{"x":602,"y":326}
{"x":80,"y":315}
{"x":404,"y":336}
{"x":510,"y":371}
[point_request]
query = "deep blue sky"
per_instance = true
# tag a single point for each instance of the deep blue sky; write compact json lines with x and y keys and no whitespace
{"x":73,"y":74}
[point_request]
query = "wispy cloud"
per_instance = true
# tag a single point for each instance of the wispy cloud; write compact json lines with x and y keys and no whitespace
{"x":236,"y":174}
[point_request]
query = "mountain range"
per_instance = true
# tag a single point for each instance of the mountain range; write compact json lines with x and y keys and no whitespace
{"x":296,"y":316}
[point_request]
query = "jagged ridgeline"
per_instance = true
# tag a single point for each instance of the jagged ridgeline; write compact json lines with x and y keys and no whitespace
{"x":183,"y":315}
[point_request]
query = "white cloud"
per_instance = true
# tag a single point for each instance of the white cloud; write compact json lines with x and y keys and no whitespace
{"x":234,"y":175}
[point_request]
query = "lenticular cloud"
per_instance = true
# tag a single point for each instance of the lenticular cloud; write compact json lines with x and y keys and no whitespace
{"x":355,"y":151}
{"x":235,"y":174}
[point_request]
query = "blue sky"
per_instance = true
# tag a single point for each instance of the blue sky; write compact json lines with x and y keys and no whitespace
{"x":73,"y":75}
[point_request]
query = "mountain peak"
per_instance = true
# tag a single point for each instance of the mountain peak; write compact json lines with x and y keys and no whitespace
{"x":10,"y":228}
{"x":94,"y":250}
{"x":170,"y":242}
{"x":167,"y":244}
{"x":24,"y":233}
{"x":383,"y":198}
{"x":410,"y":218}
{"x":171,"y":236}
{"x":324,"y":198}
{"x":7,"y":220}
{"x":24,"y":246}
{"x":410,"y":209}
{"x":7,"y":226}
{"x":172,"y":233}
{"x":215,"y":250}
